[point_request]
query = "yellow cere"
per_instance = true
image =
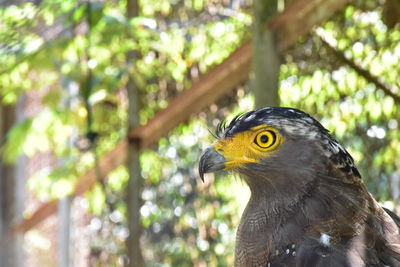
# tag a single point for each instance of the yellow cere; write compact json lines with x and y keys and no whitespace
{"x":249,"y":146}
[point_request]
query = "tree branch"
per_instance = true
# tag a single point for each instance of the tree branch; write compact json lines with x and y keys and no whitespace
{"x":362,"y":72}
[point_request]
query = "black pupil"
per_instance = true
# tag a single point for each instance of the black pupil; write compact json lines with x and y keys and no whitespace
{"x":264,"y":139}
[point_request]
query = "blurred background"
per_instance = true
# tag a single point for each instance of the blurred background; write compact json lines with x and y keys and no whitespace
{"x":107,"y":105}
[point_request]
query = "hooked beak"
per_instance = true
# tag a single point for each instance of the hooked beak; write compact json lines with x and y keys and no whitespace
{"x":211,"y":161}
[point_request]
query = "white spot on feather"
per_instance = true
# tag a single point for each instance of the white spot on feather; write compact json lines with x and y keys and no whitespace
{"x":335,"y":147}
{"x":325,"y":239}
{"x":249,"y":118}
{"x":308,"y":119}
{"x":313,"y":134}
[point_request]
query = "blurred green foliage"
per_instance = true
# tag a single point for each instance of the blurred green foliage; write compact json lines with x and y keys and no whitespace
{"x":72,"y":54}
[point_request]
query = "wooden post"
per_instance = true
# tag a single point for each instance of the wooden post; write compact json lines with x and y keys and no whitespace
{"x":12,"y":193}
{"x":266,"y":59}
{"x":65,"y":223}
{"x":134,"y":188}
{"x":64,"y":227}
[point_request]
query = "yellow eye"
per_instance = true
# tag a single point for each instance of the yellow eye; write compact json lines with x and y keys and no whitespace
{"x":266,"y":139}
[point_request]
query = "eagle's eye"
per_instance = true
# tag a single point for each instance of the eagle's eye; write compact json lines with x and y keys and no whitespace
{"x":266,"y":139}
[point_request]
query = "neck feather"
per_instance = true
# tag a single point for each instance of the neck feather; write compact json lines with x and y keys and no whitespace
{"x":279,"y":211}
{"x":269,"y":206}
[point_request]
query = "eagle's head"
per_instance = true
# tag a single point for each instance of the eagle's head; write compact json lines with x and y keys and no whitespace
{"x":278,"y":147}
{"x":306,"y":194}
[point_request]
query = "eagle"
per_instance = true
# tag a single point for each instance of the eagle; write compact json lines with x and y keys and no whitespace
{"x":308,"y":205}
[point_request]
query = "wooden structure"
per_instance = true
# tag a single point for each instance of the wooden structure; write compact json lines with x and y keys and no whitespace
{"x":296,"y":20}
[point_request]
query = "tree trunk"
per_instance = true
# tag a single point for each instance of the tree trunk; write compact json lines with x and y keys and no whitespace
{"x":134,"y":189}
{"x":266,"y":59}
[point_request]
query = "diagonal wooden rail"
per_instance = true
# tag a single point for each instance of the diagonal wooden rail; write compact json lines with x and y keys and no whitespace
{"x":296,"y":20}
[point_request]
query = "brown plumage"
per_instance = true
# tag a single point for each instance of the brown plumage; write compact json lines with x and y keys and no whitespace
{"x":308,"y":204}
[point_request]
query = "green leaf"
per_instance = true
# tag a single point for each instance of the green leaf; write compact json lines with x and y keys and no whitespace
{"x":15,"y":141}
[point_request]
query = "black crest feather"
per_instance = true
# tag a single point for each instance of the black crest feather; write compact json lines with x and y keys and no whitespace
{"x":223,"y":126}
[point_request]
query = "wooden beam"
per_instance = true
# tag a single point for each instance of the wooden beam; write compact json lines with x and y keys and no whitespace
{"x":297,"y":19}
{"x":41,"y":213}
{"x":209,"y":88}
{"x":300,"y":17}
{"x":107,"y":163}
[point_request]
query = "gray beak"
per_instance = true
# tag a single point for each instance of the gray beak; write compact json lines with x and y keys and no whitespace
{"x":211,"y":161}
